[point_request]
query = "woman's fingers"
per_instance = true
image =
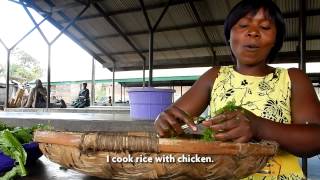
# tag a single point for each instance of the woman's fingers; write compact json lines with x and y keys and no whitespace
{"x":226,"y":125}
{"x":220,"y":118}
{"x":162,"y":128}
{"x":184,"y":118}
{"x":169,"y":122}
{"x":238,"y":134}
{"x":227,"y":135}
{"x":231,"y":126}
{"x":173,"y":122}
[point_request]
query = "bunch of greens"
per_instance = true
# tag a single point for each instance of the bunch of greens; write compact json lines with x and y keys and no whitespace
{"x":11,"y":140}
{"x":208,"y":133}
{"x":10,"y":146}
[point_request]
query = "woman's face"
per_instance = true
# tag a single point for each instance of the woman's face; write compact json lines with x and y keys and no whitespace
{"x":252,"y":38}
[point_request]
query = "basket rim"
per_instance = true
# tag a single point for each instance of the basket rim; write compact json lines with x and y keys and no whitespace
{"x":167,"y":145}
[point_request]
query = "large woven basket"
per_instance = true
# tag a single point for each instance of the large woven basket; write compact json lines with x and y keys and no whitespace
{"x":93,"y":154}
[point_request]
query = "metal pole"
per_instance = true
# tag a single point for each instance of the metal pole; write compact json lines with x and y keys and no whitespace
{"x":151,"y":31}
{"x":150,"y":58}
{"x":49,"y":76}
{"x":302,"y":30}
{"x":113,"y":82}
{"x":144,"y":73}
{"x":302,"y":64}
{"x":173,"y":92}
{"x":93,"y":79}
{"x":6,"y":105}
{"x":121,"y":92}
{"x":124,"y":93}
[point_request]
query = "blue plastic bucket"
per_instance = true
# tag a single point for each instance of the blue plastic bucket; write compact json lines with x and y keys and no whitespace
{"x":146,"y":103}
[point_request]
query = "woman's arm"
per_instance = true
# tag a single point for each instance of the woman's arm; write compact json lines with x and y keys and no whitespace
{"x":191,"y":104}
{"x":300,"y":138}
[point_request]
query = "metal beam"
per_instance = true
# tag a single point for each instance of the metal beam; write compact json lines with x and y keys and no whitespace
{"x":151,"y":34}
{"x":161,"y":29}
{"x":158,"y":5}
{"x":217,"y":44}
{"x":50,"y":43}
{"x":283,"y":57}
{"x":199,"y":22}
{"x":170,"y":48}
{"x":65,"y":7}
{"x":117,"y":28}
{"x":71,"y":23}
{"x":89,"y":38}
{"x":8,"y":58}
{"x":31,"y":4}
{"x":315,"y":12}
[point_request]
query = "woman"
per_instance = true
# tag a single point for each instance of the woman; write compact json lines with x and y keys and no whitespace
{"x":282,"y":104}
{"x":38,"y":96}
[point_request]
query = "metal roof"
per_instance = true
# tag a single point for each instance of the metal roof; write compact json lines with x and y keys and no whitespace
{"x":188,"y":35}
{"x":137,"y":82}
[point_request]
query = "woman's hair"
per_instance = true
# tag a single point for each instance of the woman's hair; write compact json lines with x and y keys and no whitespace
{"x":253,"y":6}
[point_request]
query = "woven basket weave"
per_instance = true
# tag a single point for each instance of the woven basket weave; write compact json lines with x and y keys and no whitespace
{"x":90,"y":153}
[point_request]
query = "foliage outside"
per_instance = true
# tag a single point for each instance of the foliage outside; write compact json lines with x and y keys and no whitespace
{"x":24,"y":67}
{"x":2,"y":70}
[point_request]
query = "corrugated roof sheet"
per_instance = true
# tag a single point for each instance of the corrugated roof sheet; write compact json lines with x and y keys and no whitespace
{"x":179,"y":40}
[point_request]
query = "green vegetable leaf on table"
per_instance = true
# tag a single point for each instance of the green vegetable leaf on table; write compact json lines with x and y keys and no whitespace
{"x":10,"y":146}
{"x":11,"y":140}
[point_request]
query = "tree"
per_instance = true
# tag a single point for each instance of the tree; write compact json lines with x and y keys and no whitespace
{"x":24,"y":67}
{"x":2,"y":70}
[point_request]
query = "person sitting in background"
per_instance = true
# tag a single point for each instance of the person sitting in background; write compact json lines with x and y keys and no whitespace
{"x":38,"y":96}
{"x":57,"y":103}
{"x":110,"y":100}
{"x":83,"y":99}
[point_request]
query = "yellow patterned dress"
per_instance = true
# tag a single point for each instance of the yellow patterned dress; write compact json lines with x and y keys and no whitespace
{"x":267,"y":97}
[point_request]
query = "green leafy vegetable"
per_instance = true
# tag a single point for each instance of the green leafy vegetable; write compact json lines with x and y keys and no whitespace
{"x":229,"y":107}
{"x":11,"y":140}
{"x":24,"y":135}
{"x":208,"y":133}
{"x":10,"y":146}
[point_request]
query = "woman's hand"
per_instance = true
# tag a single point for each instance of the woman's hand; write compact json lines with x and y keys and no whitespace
{"x":169,"y":122}
{"x":233,"y":126}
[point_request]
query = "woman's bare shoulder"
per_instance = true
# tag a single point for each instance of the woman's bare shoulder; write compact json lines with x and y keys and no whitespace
{"x":299,"y":79}
{"x":295,"y":73}
{"x":304,"y":101}
{"x":209,"y":77}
